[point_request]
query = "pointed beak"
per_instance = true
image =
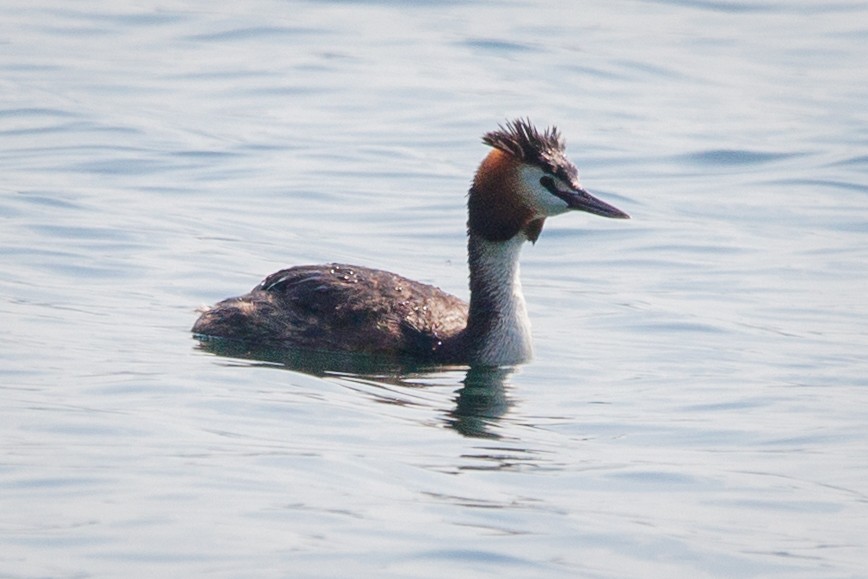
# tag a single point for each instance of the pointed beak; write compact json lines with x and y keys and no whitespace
{"x":584,"y":201}
{"x":577,"y":198}
{"x":581,"y":200}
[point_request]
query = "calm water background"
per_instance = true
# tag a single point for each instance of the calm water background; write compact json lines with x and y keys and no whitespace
{"x":699,"y":398}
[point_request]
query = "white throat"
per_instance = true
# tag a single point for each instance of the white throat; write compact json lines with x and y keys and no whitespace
{"x":498,"y":329}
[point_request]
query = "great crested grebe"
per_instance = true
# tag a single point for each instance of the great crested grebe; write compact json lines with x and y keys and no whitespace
{"x":524,"y":179}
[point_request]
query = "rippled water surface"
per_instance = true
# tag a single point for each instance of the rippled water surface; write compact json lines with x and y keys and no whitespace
{"x":698,"y":402}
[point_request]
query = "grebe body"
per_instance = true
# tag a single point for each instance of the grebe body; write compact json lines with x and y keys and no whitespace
{"x":523,"y":180}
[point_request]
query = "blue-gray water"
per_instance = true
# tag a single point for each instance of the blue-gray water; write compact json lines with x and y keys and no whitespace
{"x":698,"y":402}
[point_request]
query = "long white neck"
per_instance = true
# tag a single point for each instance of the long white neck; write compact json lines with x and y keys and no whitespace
{"x":498,"y":329}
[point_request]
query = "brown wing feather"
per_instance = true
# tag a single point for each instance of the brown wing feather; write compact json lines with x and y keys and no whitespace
{"x":341,"y":307}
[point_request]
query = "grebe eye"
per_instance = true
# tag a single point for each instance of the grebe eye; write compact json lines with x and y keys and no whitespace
{"x":547,"y":182}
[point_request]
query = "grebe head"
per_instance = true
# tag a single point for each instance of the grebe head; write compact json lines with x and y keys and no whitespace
{"x":526,"y":178}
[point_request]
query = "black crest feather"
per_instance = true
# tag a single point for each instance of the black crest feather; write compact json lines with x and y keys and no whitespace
{"x":523,"y":140}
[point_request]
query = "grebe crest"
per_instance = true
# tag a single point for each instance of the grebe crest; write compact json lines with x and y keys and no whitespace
{"x":523,"y":180}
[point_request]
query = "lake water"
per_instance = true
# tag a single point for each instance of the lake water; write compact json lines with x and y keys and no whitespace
{"x":698,"y":403}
